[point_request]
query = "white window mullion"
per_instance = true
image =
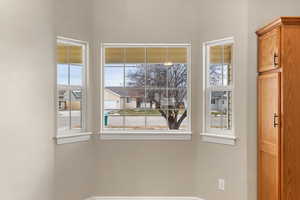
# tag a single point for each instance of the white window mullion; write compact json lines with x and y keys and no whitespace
{"x":69,"y":88}
{"x":145,"y":86}
{"x":124,"y":86}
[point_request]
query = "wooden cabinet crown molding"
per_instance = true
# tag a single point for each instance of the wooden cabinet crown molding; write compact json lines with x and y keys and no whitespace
{"x":278,"y":22}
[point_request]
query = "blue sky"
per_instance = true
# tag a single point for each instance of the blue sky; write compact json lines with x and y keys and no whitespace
{"x":75,"y":73}
{"x":114,"y":74}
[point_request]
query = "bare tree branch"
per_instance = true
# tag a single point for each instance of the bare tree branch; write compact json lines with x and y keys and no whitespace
{"x":156,"y":77}
{"x":183,"y":116}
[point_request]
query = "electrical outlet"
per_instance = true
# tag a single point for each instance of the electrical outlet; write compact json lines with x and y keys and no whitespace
{"x":221,"y":184}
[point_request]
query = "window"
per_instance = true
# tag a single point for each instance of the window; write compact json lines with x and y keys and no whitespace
{"x":219,"y":88}
{"x":145,"y":89}
{"x":71,"y":86}
{"x":128,"y":100}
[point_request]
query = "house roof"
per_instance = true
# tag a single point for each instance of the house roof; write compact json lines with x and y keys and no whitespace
{"x":127,"y":92}
{"x":75,"y":95}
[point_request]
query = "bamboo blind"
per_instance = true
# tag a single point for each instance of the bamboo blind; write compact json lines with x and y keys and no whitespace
{"x":221,"y":54}
{"x":149,"y":55}
{"x":69,"y":54}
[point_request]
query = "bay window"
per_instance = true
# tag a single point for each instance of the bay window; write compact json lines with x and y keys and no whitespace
{"x":71,"y":87}
{"x":145,"y":91}
{"x":218,"y":88}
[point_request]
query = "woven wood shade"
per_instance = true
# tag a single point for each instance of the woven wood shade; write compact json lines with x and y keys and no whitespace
{"x":149,"y":55}
{"x":69,"y":54}
{"x":217,"y":53}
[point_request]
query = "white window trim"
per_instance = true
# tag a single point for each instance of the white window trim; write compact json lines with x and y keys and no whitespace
{"x":145,"y":134}
{"x":76,"y":135}
{"x":215,"y":135}
{"x":73,"y":138}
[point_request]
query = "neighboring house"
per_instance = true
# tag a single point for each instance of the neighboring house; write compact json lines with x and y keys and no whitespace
{"x":132,"y":98}
{"x":64,"y":100}
{"x":123,"y":98}
{"x":219,"y":102}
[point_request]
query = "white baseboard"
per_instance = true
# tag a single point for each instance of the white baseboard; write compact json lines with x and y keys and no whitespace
{"x":144,"y":198}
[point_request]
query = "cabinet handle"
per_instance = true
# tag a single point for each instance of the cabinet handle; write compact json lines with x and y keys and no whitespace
{"x":276,"y":120}
{"x":275,"y":59}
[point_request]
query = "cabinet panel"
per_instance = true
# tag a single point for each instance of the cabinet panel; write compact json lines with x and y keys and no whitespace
{"x":269,"y":50}
{"x":269,"y":140}
{"x":268,"y":187}
{"x":291,"y":109}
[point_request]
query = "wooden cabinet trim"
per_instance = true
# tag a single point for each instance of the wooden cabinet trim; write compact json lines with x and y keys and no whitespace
{"x":278,"y":22}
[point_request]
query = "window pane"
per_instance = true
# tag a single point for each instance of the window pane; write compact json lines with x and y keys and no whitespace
{"x":220,"y":109}
{"x":134,"y":122}
{"x":76,"y":74}
{"x":135,"y":75}
{"x":177,"y":76}
{"x":177,"y":119}
{"x":215,"y":74}
{"x":155,"y":119}
{"x":220,"y":66}
{"x":177,"y":98}
{"x":124,"y":98}
{"x":166,"y":119}
{"x":227,"y":65}
{"x":76,"y":109}
{"x":63,"y":114}
{"x":114,"y":75}
{"x":62,"y":74}
{"x":157,"y":75}
{"x":219,"y":75}
{"x":113,"y":120}
{"x":184,"y":124}
{"x":156,"y":98}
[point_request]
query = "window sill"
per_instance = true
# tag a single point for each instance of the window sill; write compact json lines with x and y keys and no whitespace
{"x":145,"y":136}
{"x":219,"y":139}
{"x":72,"y":138}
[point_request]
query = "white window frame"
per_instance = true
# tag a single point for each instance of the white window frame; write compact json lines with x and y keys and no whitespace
{"x":145,"y":134}
{"x":216,"y":135}
{"x":75,"y":135}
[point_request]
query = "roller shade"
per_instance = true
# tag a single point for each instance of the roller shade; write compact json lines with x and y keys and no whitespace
{"x":69,"y":54}
{"x":149,"y":55}
{"x":221,"y":54}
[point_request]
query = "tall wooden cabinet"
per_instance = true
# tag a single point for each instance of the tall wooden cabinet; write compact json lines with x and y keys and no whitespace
{"x":279,"y":110}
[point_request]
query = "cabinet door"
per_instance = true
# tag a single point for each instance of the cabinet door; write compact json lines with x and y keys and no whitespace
{"x":268,"y":136}
{"x":269,"y":50}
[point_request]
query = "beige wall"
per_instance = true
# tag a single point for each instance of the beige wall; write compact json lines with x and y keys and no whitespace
{"x":189,"y":168}
{"x":74,"y":171}
{"x":26,"y":103}
{"x":175,"y":168}
{"x":75,"y":163}
{"x":260,"y":13}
